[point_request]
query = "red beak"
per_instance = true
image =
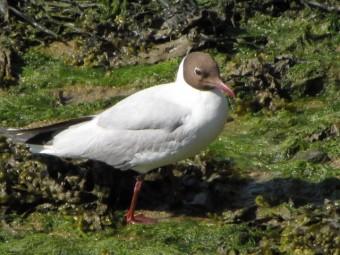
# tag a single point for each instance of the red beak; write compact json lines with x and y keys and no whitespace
{"x":224,"y":88}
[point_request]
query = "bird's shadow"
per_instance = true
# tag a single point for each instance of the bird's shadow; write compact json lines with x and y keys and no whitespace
{"x":187,"y":190}
{"x":193,"y":196}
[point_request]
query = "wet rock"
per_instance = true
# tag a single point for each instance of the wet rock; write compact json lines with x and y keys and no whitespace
{"x":283,"y":211}
{"x":114,"y":34}
{"x":239,"y":215}
{"x":259,"y":84}
{"x":167,"y":50}
{"x":291,"y":229}
{"x":47,"y":184}
{"x":214,"y":177}
{"x":6,"y":67}
{"x":191,"y":181}
{"x":327,"y":133}
{"x":335,"y":129}
{"x":311,"y":230}
{"x":153,"y":176}
{"x":315,"y":156}
{"x":318,"y":136}
{"x":261,"y":202}
{"x":293,"y":147}
{"x":310,"y":86}
{"x":45,"y":207}
{"x":85,"y":188}
{"x":65,"y":50}
{"x":314,"y":86}
{"x":203,"y":200}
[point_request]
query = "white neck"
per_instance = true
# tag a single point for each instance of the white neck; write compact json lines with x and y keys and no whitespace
{"x":180,"y":76}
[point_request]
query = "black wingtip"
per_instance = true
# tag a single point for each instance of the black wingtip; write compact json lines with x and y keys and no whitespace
{"x":16,"y":135}
{"x":40,"y":135}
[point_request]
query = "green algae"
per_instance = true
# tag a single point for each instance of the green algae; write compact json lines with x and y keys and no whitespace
{"x":281,"y":229}
{"x":41,"y":71}
{"x":23,"y":109}
{"x":276,"y":142}
{"x":35,"y":98}
{"x":270,"y":141}
{"x":53,"y":233}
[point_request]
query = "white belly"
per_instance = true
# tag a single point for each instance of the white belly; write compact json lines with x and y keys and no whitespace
{"x":203,"y":126}
{"x":144,"y":150}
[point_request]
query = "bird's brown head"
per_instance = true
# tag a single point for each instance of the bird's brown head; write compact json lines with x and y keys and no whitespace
{"x":201,"y":72}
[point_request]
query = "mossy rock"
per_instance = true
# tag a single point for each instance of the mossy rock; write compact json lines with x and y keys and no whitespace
{"x":6,"y":67}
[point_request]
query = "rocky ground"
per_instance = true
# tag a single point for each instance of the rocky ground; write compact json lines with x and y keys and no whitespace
{"x":269,"y":185}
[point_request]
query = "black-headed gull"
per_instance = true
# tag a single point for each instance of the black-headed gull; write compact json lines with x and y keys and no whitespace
{"x":149,"y":129}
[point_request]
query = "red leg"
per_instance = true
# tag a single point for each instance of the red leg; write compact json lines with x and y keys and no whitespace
{"x":130,"y":216}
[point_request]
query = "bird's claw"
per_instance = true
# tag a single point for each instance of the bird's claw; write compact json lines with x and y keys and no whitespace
{"x":139,"y":219}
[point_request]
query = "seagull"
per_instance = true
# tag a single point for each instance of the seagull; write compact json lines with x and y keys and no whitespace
{"x":154,"y":127}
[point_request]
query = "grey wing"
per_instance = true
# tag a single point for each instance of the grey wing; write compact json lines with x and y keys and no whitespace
{"x":136,"y":132}
{"x":138,"y":149}
{"x":40,"y":135}
{"x":140,"y":113}
{"x":143,"y":131}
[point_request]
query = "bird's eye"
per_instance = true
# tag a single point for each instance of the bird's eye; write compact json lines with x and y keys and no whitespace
{"x":198,"y":71}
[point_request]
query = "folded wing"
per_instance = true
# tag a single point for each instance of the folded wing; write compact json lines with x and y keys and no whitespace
{"x":140,"y":132}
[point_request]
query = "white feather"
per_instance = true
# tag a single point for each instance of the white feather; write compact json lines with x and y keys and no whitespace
{"x":151,"y":128}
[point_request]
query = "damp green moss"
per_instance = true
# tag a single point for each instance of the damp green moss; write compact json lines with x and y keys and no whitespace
{"x":310,"y":39}
{"x":42,"y":105}
{"x":41,"y":71}
{"x":269,"y":141}
{"x":273,"y":141}
{"x":276,"y":143}
{"x":53,"y":233}
{"x":36,"y":98}
{"x":281,"y":229}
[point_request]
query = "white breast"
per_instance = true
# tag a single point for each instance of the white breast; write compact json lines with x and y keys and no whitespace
{"x":209,"y":111}
{"x":152,"y":128}
{"x":209,"y":114}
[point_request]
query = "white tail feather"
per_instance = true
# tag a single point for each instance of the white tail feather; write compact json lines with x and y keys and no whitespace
{"x":45,"y":149}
